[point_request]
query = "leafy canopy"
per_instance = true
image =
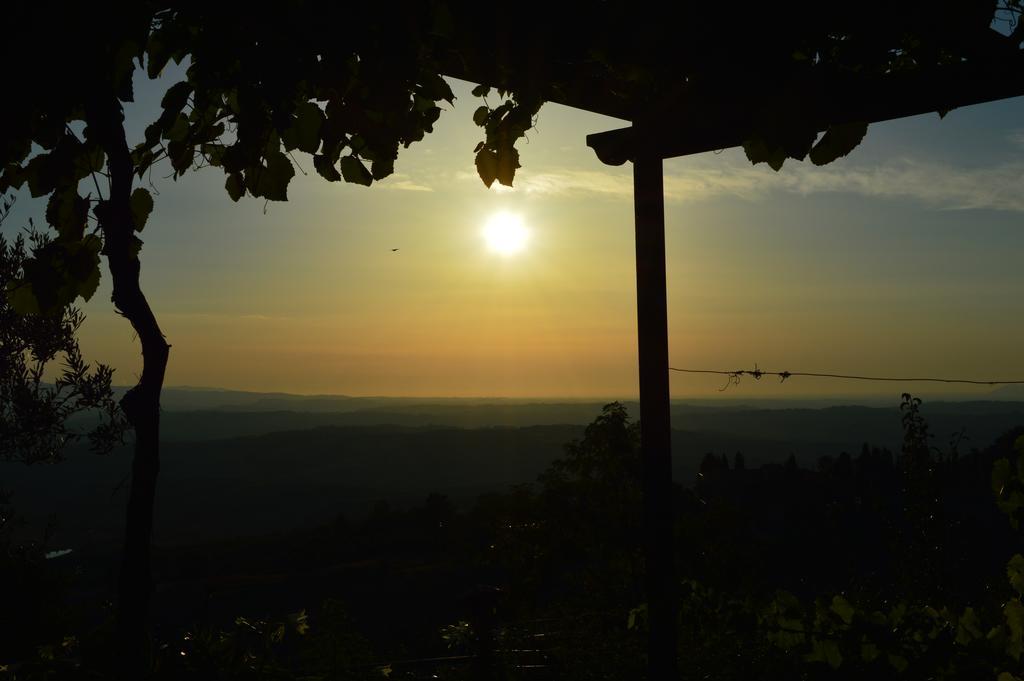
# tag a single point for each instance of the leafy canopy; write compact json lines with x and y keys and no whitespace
{"x":350,"y":85}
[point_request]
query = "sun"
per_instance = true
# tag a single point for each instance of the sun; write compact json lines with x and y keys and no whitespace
{"x":506,"y":234}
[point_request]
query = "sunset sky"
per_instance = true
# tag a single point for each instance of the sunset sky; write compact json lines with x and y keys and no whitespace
{"x":903,"y":258}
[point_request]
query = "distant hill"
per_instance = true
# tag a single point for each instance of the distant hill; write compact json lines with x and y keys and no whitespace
{"x":279,"y":481}
{"x":284,"y":480}
{"x":184,"y":398}
{"x":846,"y":426}
{"x":207,"y":424}
{"x":239,"y":473}
{"x":1008,"y":392}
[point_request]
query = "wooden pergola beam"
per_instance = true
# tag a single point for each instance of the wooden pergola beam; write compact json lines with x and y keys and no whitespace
{"x":822,"y":100}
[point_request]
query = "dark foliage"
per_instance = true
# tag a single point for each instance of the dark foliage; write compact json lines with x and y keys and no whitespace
{"x":38,"y":418}
{"x":834,"y":572}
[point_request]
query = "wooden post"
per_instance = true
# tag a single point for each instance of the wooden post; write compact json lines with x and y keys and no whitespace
{"x":655,"y":429}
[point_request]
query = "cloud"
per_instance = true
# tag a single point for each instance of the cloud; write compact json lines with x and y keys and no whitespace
{"x":941,"y":186}
{"x":402,"y":182}
{"x":998,"y":187}
{"x":409,"y":186}
{"x":568,"y":182}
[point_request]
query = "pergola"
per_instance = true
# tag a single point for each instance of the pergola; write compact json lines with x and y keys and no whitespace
{"x":713,"y":89}
{"x":646,"y":143}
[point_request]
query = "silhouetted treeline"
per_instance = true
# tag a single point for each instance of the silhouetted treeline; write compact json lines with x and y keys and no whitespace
{"x":859,"y":522}
{"x":560,"y":561}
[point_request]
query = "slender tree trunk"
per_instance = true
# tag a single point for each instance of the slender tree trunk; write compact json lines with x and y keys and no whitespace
{"x":142,"y":403}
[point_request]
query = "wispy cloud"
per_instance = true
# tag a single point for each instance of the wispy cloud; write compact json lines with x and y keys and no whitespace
{"x":404,"y":183}
{"x":576,"y":182}
{"x":998,"y":187}
{"x":941,"y":186}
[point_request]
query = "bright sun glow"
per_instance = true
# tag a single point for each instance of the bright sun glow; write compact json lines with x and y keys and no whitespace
{"x":506,"y":234}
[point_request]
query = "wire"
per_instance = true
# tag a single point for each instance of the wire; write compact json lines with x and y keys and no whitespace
{"x":757,"y":373}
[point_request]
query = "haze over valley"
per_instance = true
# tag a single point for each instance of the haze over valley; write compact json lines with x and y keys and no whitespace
{"x":241,"y":464}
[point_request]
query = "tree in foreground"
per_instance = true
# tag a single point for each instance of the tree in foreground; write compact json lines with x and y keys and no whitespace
{"x":42,"y":412}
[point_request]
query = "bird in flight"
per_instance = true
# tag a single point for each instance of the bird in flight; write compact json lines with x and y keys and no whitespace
{"x":393,"y":250}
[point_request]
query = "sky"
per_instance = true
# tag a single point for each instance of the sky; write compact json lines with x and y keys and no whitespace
{"x":903,"y":258}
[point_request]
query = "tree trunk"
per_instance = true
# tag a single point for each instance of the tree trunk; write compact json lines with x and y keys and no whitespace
{"x":142,"y":403}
